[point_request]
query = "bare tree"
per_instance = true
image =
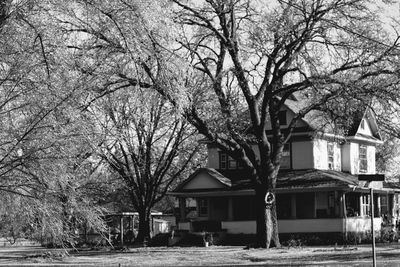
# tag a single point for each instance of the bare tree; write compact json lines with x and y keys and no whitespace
{"x":256,"y":57}
{"x":146,"y":142}
{"x":230,"y":66}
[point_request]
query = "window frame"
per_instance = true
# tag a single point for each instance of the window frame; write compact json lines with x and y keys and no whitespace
{"x":331,"y":158}
{"x":223,"y":161}
{"x":363,"y":159}
{"x":289,"y":151}
{"x":228,"y":163}
{"x":365,"y":205}
{"x":282,"y":116}
{"x":202,"y":207}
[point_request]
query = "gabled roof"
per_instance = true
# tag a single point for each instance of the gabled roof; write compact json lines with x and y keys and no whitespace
{"x":316,"y":120}
{"x":320,"y":121}
{"x":212,"y":173}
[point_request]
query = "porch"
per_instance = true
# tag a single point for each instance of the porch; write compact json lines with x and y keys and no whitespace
{"x":298,"y":212}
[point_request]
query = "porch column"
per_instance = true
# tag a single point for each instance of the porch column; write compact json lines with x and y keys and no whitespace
{"x":392,"y":203}
{"x":230,"y":209}
{"x":343,"y":214}
{"x":293,"y":214}
{"x":342,"y":207}
{"x":182,"y":209}
{"x":360,"y":201}
{"x":378,"y":206}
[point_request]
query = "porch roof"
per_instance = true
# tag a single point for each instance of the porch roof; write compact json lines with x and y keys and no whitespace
{"x":294,"y":180}
{"x":307,"y":179}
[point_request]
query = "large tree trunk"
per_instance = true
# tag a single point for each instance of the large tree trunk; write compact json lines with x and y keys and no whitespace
{"x":266,"y":221}
{"x":144,"y":226}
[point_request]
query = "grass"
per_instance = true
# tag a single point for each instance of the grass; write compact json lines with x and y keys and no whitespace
{"x":199,"y":256}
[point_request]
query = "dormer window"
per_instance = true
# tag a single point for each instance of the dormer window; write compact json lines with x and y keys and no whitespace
{"x":363,"y":160}
{"x":228,"y":163}
{"x":331,"y":156}
{"x":282,"y":117}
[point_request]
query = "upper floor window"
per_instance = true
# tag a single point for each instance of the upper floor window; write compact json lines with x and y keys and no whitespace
{"x":331,"y":156}
{"x":228,"y":163}
{"x":362,"y":124}
{"x":285,"y":158}
{"x":363,"y":165}
{"x":282,"y":117}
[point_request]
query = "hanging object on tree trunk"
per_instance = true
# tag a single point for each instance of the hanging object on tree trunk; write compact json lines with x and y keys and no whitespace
{"x":269,"y":198}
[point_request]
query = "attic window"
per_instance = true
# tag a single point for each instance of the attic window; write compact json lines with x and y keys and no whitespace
{"x":362,"y":124}
{"x":363,"y":167}
{"x":282,"y":117}
{"x":228,"y":163}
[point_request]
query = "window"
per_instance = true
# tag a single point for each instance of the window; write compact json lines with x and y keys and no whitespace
{"x":285,"y":159}
{"x":202,"y":206}
{"x":282,"y":117}
{"x":226,"y":162}
{"x":384,"y":204}
{"x":331,"y":156}
{"x":223,"y":161}
{"x":352,"y":204}
{"x":365,"y":205}
{"x":363,"y":167}
{"x":362,"y":125}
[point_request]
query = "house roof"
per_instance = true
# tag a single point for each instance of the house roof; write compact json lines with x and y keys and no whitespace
{"x":318,"y":120}
{"x":315,"y":119}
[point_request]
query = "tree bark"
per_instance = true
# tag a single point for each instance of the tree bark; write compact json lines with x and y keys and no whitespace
{"x":144,"y":226}
{"x":266,"y":221}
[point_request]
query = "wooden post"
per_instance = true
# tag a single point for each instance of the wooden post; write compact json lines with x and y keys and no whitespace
{"x":372,"y":226}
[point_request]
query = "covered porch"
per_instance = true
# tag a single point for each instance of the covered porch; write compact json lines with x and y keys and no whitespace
{"x":308,"y":201}
{"x":334,"y":210}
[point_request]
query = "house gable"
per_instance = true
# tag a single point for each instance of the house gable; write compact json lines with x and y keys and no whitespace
{"x":368,"y":125}
{"x":205,"y":179}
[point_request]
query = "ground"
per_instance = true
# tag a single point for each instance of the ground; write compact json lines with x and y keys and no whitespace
{"x":387,"y":255}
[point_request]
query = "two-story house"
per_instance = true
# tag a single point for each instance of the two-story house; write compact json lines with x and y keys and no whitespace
{"x":318,"y":190}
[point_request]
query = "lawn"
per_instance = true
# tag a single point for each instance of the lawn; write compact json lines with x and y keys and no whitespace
{"x":387,"y":255}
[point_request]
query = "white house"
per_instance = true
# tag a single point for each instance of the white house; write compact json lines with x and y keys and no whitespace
{"x":318,"y":190}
